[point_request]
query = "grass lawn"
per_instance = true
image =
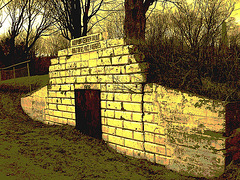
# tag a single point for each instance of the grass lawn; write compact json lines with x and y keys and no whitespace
{"x":32,"y":150}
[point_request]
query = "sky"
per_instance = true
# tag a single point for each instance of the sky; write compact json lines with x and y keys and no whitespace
{"x":235,"y":14}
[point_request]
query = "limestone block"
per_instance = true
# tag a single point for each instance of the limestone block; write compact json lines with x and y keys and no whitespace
{"x":92,"y":79}
{"x":51,"y":68}
{"x":134,"y":144}
{"x":136,"y":126}
{"x":70,"y":80}
{"x":71,"y":109}
{"x":120,"y":60}
{"x":72,"y":65}
{"x":118,"y":50}
{"x":103,"y":44}
{"x":154,"y":128}
{"x":138,"y":67}
{"x":61,"y":94}
{"x":149,"y":137}
{"x":64,"y":52}
{"x":163,"y":160}
{"x":54,"y":61}
{"x":115,"y":122}
{"x":135,"y":107}
{"x":93,"y":70}
{"x":62,"y":67}
{"x":62,"y":60}
{"x":122,"y":97}
{"x":148,"y":117}
{"x":107,"y":96}
{"x":138,"y":136}
{"x":124,"y":133}
{"x":139,"y":154}
{"x":109,"y":113}
{"x":114,"y":88}
{"x":150,"y":157}
{"x":104,"y":61}
{"x":52,"y":94}
{"x":67,"y":101}
{"x":52,"y":106}
{"x":93,"y":55}
{"x":148,"y":97}
{"x":74,"y":58}
{"x":112,"y":70}
{"x":62,"y":73}
{"x":137,"y":97}
{"x":68,"y":115}
{"x":85,"y":71}
{"x":62,"y":107}
{"x":137,"y":116}
{"x":106,"y":52}
{"x":133,"y":88}
{"x":105,"y":79}
{"x":154,"y":148}
{"x":121,"y":78}
{"x":141,"y":77}
{"x":93,"y":63}
{"x":126,"y":49}
{"x":70,"y":94}
{"x":103,"y":104}
{"x":66,"y":87}
{"x":100,"y":70}
{"x":109,"y":130}
{"x":160,"y":139}
{"x":105,"y":137}
{"x":150,"y":107}
{"x":85,"y":56}
{"x":71,"y":122}
{"x":82,"y":64}
{"x":116,"y":140}
{"x":124,"y":115}
{"x":81,"y":79}
{"x":114,"y":105}
{"x":57,"y":113}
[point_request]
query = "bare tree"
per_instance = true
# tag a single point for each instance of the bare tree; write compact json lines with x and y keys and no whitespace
{"x":135,"y":18}
{"x":30,"y":19}
{"x":72,"y":16}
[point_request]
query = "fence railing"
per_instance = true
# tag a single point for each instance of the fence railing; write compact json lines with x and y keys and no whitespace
{"x":11,"y":72}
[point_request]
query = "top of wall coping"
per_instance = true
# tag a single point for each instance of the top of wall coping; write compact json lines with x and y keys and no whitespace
{"x":89,"y":39}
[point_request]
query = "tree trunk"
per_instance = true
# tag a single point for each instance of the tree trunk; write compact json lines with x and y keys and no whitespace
{"x":135,"y":21}
{"x":76,"y":19}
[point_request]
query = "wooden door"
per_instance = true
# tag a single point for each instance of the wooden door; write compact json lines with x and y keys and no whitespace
{"x":88,"y":112}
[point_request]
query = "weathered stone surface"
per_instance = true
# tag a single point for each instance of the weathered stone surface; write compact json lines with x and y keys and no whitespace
{"x":179,"y":130}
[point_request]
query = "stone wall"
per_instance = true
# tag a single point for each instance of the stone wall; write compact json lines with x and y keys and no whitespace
{"x":175,"y":129}
{"x":184,"y":132}
{"x":34,"y":105}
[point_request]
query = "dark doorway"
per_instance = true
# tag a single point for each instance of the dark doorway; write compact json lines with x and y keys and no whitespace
{"x":88,"y":112}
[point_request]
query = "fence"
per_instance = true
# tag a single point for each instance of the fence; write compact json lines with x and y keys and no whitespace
{"x":11,"y":72}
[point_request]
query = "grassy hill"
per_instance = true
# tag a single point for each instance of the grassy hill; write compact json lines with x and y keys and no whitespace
{"x":33,"y":150}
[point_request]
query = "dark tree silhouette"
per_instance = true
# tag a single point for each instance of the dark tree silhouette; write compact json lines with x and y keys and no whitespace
{"x":72,"y":16}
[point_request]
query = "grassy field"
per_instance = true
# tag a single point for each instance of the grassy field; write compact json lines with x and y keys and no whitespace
{"x":32,"y":150}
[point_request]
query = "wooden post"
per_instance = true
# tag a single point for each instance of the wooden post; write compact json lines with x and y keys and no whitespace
{"x":14,"y":74}
{"x":30,"y":88}
{"x":1,"y":75}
